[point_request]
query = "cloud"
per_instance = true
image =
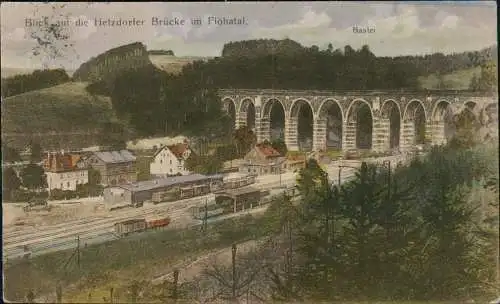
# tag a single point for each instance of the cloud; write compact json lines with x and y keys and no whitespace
{"x":401,"y":29}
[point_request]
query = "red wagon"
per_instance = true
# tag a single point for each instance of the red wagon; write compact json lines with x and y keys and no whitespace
{"x":158,"y":223}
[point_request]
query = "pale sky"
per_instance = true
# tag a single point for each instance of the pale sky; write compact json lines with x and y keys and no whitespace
{"x":408,"y":28}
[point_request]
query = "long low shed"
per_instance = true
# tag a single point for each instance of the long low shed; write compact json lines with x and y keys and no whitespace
{"x":162,"y":189}
{"x":235,"y":200}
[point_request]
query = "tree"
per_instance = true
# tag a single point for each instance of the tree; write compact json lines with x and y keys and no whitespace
{"x":10,"y":154}
{"x":36,"y":152}
{"x":94,"y":177}
{"x":226,"y":152}
{"x":204,"y":164}
{"x":235,"y":281}
{"x":442,"y":84}
{"x":10,"y":182}
{"x":244,"y":140}
{"x":113,"y":136}
{"x":33,"y":177}
{"x":329,"y":48}
{"x":312,"y":179}
{"x":280,"y":146}
{"x":466,"y":126}
{"x":488,"y":80}
{"x":474,"y":83}
{"x":360,"y":201}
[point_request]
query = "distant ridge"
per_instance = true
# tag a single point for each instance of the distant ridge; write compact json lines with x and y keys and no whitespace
{"x":113,"y":61}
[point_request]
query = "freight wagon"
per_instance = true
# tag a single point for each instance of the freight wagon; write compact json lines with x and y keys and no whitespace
{"x":138,"y":225}
{"x":158,"y":223}
{"x":130,"y":226}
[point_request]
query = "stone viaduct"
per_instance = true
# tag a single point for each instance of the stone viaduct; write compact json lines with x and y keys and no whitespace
{"x":394,"y":116}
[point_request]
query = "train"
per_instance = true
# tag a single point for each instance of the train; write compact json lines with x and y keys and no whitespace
{"x":127,"y":227}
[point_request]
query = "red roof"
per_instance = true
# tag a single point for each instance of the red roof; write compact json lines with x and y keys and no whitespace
{"x":61,"y":162}
{"x":267,"y":150}
{"x":178,"y":149}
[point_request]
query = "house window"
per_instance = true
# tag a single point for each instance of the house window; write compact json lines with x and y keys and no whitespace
{"x":170,"y":170}
{"x":170,"y":161}
{"x":67,"y":184}
{"x":249,"y":170}
{"x":61,"y":186}
{"x":161,"y":161}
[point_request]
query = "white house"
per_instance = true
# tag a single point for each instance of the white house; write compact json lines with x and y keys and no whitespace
{"x":170,"y":160}
{"x":65,"y":171}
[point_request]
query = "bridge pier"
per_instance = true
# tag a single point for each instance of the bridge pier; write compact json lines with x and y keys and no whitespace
{"x":241,"y":119}
{"x":407,"y":136}
{"x":349,"y":136}
{"x":319,"y":134}
{"x":381,"y":135}
{"x":262,"y":129}
{"x":438,"y":136}
{"x":291,"y":133}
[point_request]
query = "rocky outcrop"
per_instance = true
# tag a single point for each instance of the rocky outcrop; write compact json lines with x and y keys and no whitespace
{"x":261,"y":47}
{"x":112,"y":62}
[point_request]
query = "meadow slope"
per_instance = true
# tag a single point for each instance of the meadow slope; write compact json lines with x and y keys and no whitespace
{"x":66,"y":109}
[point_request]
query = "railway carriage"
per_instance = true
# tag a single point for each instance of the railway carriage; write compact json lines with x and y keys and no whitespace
{"x":158,"y":223}
{"x":130,"y":226}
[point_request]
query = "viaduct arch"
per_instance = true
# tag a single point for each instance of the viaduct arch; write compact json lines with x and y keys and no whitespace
{"x":372,"y":120}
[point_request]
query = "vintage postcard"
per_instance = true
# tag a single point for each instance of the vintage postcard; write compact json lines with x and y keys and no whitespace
{"x":246,"y":152}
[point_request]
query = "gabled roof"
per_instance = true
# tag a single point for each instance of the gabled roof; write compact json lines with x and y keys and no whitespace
{"x":61,"y":162}
{"x":114,"y":157}
{"x":177,"y":149}
{"x":267,"y":150}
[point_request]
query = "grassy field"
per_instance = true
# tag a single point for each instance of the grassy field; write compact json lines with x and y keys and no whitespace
{"x":459,"y":80}
{"x":58,"y":114}
{"x":65,"y":108}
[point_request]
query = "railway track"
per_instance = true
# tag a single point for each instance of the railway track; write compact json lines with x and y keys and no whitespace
{"x":83,"y":225}
{"x":46,"y":239}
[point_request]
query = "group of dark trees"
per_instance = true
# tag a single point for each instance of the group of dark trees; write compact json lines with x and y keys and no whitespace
{"x":161,"y":52}
{"x":413,"y":234}
{"x":39,"y":79}
{"x":487,"y":80}
{"x":436,"y":63}
{"x":31,"y":177}
{"x":425,"y":231}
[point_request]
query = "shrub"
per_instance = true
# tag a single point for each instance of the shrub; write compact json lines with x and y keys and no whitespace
{"x":56,"y":194}
{"x":68,"y":194}
{"x":22,"y":195}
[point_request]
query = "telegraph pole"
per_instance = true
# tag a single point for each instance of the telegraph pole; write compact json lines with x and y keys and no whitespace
{"x":205,"y":218}
{"x":176,"y":280}
{"x":233,"y":249}
{"x":389,"y":181}
{"x":78,"y":250}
